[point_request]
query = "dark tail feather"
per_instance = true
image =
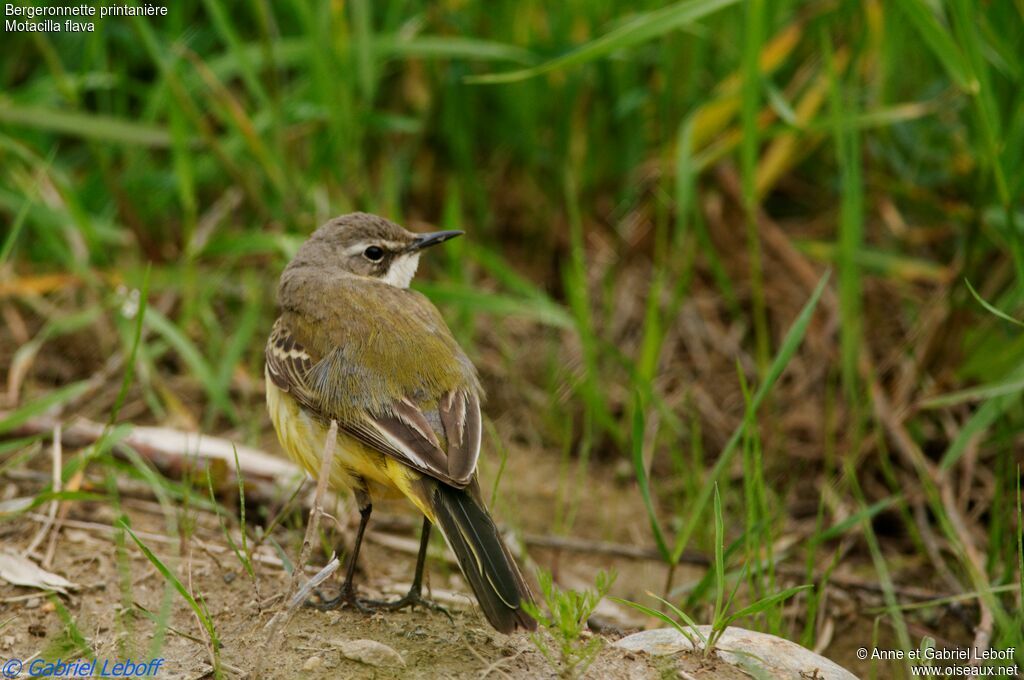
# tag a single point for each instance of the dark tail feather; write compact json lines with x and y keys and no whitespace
{"x":483,"y":557}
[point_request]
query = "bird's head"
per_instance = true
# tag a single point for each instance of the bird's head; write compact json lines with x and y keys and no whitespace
{"x":368,"y":245}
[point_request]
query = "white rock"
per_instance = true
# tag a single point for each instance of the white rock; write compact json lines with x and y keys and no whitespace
{"x":774,"y":656}
{"x":370,"y":652}
{"x":312,"y":663}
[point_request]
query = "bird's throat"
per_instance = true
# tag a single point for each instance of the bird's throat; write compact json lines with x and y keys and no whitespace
{"x":402,"y":269}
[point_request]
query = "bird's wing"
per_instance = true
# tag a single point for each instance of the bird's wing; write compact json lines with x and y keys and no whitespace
{"x":460,"y":416}
{"x":288,"y":362}
{"x":398,"y":428}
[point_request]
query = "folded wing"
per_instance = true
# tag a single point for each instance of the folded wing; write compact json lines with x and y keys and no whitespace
{"x":400,"y":429}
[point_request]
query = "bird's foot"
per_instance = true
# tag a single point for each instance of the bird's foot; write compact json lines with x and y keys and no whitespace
{"x":412,"y":599}
{"x":346,"y":597}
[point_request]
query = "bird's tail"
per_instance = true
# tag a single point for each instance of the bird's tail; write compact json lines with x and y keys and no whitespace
{"x":485,"y":560}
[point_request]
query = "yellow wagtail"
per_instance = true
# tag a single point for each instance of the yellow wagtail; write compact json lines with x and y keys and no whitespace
{"x":353,"y":344}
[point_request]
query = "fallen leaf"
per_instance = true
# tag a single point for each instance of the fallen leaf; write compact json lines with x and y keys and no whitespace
{"x":21,"y":571}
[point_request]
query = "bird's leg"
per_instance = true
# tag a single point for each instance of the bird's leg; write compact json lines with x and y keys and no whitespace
{"x":347,"y":594}
{"x":414,"y":598}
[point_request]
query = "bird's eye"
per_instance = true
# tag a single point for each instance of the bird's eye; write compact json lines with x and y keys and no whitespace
{"x":374,"y":253}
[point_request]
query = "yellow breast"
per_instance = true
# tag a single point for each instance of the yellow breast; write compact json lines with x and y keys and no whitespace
{"x":302,"y":436}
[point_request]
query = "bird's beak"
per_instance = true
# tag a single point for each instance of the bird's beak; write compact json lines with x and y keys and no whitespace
{"x":432,"y":239}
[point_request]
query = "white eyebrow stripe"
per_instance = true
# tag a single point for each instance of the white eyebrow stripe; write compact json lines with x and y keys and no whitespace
{"x":363,"y":245}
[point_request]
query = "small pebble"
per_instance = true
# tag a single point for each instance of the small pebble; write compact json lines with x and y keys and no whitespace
{"x":32,"y":603}
{"x":312,"y":663}
{"x":370,"y":652}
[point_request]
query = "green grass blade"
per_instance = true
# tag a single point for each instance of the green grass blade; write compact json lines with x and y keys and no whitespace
{"x":129,"y":366}
{"x":197,"y":364}
{"x":750,"y":104}
{"x":951,"y":599}
{"x":642,"y":482}
{"x":472,"y":299}
{"x":719,"y":563}
{"x":450,"y":47}
{"x":22,"y":415}
{"x":965,"y":25}
{"x":973,"y":394}
{"x":939,"y":40}
{"x":85,"y":125}
{"x":25,"y":505}
{"x":80,"y":646}
{"x":290,"y":52}
{"x":980,"y":421}
{"x":689,"y":631}
{"x":173,"y":580}
{"x":851,"y":221}
{"x":1020,"y":552}
{"x":794,"y":337}
{"x":681,"y":614}
{"x":12,"y":236}
{"x":16,"y":444}
{"x":864,"y":514}
{"x":887,"y":264}
{"x":765,"y":603}
{"x":881,"y":566}
{"x":640,"y":28}
{"x":241,"y":341}
{"x":992,"y":309}
{"x":222,"y":22}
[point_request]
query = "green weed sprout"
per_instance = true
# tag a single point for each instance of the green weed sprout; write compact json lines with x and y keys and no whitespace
{"x":723,"y":616}
{"x":564,"y":621}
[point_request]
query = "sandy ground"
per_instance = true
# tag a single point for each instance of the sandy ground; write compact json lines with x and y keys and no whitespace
{"x":121,"y":592}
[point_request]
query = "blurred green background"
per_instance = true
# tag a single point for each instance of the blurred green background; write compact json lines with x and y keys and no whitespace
{"x":651,"y":193}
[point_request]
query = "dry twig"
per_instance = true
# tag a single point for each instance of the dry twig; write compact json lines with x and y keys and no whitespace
{"x":280,"y":619}
{"x":57,"y":464}
{"x":164,"y":442}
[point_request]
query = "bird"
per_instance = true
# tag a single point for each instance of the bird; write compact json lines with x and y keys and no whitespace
{"x":353,"y":344}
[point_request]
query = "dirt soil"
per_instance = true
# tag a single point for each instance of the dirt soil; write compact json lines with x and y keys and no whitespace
{"x":118,"y":599}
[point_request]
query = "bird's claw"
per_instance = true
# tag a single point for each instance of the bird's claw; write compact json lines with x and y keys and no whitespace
{"x":347,"y":597}
{"x":410,"y":600}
